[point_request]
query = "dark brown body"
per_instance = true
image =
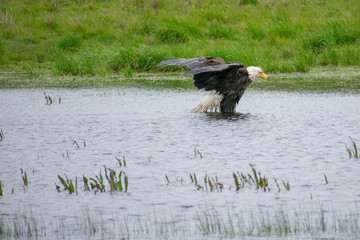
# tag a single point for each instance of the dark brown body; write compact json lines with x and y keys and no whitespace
{"x":230,"y":79}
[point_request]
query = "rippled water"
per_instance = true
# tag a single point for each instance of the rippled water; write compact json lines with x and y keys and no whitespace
{"x":290,"y":136}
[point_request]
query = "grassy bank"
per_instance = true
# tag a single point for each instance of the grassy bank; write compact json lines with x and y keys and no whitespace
{"x":91,"y":37}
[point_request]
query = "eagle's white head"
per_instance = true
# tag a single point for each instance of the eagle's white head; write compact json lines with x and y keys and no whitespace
{"x":255,"y":73}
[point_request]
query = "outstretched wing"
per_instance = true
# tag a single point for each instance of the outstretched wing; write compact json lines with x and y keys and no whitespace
{"x":223,"y":78}
{"x":210,"y":73}
{"x":192,"y":63}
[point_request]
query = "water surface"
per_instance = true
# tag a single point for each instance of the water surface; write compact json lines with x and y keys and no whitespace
{"x":292,"y":136}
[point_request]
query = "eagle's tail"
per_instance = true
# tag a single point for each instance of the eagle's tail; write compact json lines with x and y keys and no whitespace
{"x":210,"y":102}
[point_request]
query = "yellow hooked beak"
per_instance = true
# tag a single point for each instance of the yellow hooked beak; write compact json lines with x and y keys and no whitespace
{"x":263,"y":75}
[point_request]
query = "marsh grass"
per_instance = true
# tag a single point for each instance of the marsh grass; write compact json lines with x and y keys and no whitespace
{"x":21,"y":226}
{"x":122,"y":162}
{"x":97,"y":183}
{"x":68,"y":38}
{"x":208,"y":223}
{"x":48,"y":99}
{"x":68,"y":184}
{"x":279,"y":223}
{"x":353,"y":153}
{"x":255,"y":178}
{"x":2,"y":137}
{"x":24,"y":177}
{"x":326,"y":179}
{"x":1,"y":189}
{"x":116,"y":181}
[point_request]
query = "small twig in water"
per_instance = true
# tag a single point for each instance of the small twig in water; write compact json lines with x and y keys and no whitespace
{"x":197,"y":152}
{"x":75,"y":143}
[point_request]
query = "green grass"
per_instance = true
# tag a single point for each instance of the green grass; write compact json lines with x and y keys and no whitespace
{"x":104,"y":37}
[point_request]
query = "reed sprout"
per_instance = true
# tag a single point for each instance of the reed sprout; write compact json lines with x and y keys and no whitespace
{"x":24,"y":177}
{"x":48,"y":99}
{"x":116,"y":181}
{"x":326,"y":179}
{"x":122,"y":162}
{"x":286,"y":185}
{"x":210,"y":183}
{"x":98,"y":183}
{"x":1,"y":188}
{"x":353,"y":153}
{"x":68,"y":184}
{"x":255,"y":178}
{"x":2,"y":137}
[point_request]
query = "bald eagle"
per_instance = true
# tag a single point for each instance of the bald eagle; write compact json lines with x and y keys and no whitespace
{"x":225,"y":81}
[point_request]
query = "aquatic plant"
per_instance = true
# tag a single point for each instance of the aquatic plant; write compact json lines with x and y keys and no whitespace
{"x":86,"y":183}
{"x":115,"y":180}
{"x":21,"y":226}
{"x":281,"y":223}
{"x":207,"y":223}
{"x":194,"y":180}
{"x":1,"y":188}
{"x":210,"y":183}
{"x":214,"y":183}
{"x":237,"y":184}
{"x":352,"y":152}
{"x":122,"y":162}
{"x":68,"y":184}
{"x":2,"y":137}
{"x":286,"y":185}
{"x":48,"y":99}
{"x":97,"y":183}
{"x":326,"y":179}
{"x":24,"y":177}
{"x":255,"y":178}
{"x":261,"y":182}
